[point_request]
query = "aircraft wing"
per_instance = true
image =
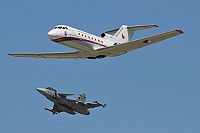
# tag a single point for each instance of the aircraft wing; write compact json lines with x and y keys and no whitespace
{"x":60,"y":55}
{"x":125,"y":47}
{"x":95,"y":104}
{"x":87,"y":105}
{"x":64,"y":95}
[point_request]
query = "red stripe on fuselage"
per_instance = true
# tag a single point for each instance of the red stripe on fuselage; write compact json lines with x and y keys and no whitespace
{"x":75,"y":39}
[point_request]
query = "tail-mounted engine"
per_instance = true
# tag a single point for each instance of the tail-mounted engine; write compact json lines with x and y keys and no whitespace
{"x":105,"y":35}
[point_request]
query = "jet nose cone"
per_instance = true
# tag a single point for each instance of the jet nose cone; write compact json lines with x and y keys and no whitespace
{"x":51,"y":34}
{"x":41,"y":90}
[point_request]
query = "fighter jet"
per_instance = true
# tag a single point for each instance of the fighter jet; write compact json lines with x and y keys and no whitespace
{"x":63,"y":104}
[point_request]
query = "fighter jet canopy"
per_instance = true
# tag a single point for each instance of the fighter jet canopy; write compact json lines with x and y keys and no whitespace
{"x":50,"y":88}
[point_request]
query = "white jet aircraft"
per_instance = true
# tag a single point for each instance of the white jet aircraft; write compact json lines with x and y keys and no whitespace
{"x":93,"y":47}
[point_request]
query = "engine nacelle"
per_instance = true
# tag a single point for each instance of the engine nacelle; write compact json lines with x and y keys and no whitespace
{"x":105,"y":35}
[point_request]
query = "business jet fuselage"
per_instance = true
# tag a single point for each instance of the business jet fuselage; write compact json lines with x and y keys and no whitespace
{"x":81,"y":40}
{"x":110,"y":43}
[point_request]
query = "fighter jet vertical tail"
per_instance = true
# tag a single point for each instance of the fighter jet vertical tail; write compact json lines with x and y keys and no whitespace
{"x":82,"y":97}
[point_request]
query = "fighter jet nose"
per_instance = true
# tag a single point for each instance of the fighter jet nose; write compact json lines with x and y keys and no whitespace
{"x":38,"y":89}
{"x":41,"y":90}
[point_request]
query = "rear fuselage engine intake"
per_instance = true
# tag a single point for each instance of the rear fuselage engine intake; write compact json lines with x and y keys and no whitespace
{"x":105,"y":35}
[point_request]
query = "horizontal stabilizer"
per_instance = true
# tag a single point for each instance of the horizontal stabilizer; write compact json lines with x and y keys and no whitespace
{"x":141,"y":27}
{"x":133,"y":28}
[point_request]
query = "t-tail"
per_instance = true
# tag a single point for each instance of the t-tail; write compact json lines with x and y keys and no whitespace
{"x":82,"y":97}
{"x":125,"y":33}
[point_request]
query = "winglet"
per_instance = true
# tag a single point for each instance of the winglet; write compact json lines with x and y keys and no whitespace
{"x":180,"y":31}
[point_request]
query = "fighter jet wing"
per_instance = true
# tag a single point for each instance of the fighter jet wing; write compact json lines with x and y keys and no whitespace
{"x":64,"y":95}
{"x":125,"y":47}
{"x":60,"y":55}
{"x":87,"y":104}
{"x":95,"y":104}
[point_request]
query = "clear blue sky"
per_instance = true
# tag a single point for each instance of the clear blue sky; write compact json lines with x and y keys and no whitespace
{"x":155,"y":89}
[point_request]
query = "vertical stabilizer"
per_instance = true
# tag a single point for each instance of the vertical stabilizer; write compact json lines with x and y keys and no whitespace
{"x":124,"y":34}
{"x":82,"y":97}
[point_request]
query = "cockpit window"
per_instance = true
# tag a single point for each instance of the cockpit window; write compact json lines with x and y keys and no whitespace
{"x":60,"y":27}
{"x":50,"y":88}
